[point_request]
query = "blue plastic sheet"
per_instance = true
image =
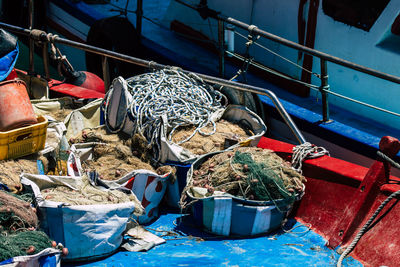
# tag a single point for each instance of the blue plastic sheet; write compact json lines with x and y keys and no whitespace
{"x":7,"y":63}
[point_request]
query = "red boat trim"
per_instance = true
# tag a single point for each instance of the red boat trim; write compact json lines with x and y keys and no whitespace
{"x":340,"y":197}
{"x":73,"y":90}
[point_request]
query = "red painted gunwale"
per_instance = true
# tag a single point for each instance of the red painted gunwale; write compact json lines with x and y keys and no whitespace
{"x":66,"y":88}
{"x":73,"y":90}
{"x":334,"y":198}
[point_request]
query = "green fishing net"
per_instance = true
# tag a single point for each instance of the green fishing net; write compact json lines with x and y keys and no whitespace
{"x":265,"y":183}
{"x":20,"y":244}
{"x":18,"y":222}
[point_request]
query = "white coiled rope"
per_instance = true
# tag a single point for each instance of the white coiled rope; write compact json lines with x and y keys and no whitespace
{"x":306,"y":150}
{"x":181,"y":99}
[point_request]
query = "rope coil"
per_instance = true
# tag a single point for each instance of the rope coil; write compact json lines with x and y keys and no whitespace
{"x":170,"y":98}
{"x":306,"y":150}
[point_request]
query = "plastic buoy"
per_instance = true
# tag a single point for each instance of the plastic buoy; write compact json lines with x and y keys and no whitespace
{"x":85,"y":79}
{"x":92,"y":81}
{"x":15,"y":106}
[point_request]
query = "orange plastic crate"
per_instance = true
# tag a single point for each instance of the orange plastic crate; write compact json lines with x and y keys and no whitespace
{"x":23,"y":141}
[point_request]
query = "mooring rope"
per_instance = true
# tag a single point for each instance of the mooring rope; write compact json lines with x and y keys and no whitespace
{"x":388,"y":159}
{"x":177,"y":98}
{"x":366,"y":227}
{"x":372,"y":218}
{"x":306,"y":150}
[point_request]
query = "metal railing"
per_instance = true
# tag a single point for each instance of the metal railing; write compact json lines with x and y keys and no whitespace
{"x":324,"y":57}
{"x":44,"y":38}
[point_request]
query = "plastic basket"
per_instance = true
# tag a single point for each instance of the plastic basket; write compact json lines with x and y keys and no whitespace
{"x":23,"y":141}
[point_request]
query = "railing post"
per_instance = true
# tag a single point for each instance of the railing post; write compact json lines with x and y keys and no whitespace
{"x":139,"y":15}
{"x":45,"y":55}
{"x":106,"y":74}
{"x":323,"y":88}
{"x":31,"y":41}
{"x":221,"y":45}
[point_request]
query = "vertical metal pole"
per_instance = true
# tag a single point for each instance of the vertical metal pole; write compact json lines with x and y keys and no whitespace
{"x":139,"y":14}
{"x":31,"y":41}
{"x":324,"y":87}
{"x":106,"y":74}
{"x":221,"y":44}
{"x":45,"y":55}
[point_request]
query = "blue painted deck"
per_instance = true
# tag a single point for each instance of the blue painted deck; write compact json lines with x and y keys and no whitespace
{"x":305,"y":248}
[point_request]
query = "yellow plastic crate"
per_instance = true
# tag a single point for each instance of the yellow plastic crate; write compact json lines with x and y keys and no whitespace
{"x":23,"y":141}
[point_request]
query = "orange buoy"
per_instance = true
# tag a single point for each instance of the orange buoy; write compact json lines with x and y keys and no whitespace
{"x":15,"y":106}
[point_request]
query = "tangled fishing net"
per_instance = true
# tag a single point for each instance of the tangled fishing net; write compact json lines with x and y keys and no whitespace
{"x":60,"y":114}
{"x":86,"y":194}
{"x":200,"y":144}
{"x":23,"y":243}
{"x":98,"y":134}
{"x":117,"y":155}
{"x":17,"y":224}
{"x":112,"y":162}
{"x":138,"y":144}
{"x":58,"y":109}
{"x":10,"y":170}
{"x":177,"y":98}
{"x":15,"y":213}
{"x":250,"y":173}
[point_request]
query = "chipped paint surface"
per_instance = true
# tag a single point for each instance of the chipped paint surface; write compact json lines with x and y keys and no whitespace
{"x":300,"y":247}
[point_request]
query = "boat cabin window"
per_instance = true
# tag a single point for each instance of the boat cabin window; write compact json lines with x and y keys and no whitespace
{"x":361,"y":14}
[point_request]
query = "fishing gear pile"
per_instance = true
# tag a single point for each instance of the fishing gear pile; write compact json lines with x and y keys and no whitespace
{"x":18,"y":222}
{"x":177,"y":98}
{"x":98,"y":134}
{"x":86,"y":194}
{"x":114,"y":156}
{"x":113,"y":162}
{"x":250,"y":173}
{"x":15,"y":213}
{"x":199,"y":145}
{"x":10,"y":171}
{"x":138,"y":144}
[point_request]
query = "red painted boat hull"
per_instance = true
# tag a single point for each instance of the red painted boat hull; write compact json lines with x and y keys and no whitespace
{"x":340,"y":197}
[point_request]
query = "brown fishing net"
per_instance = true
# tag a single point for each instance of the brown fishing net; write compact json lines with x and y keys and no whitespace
{"x":141,"y":149}
{"x":200,"y":144}
{"x":137,"y":144}
{"x":17,"y":224}
{"x":118,"y":155}
{"x":250,"y":173}
{"x":16,"y":214}
{"x":110,"y":166}
{"x":86,"y":194}
{"x":10,"y":171}
{"x":113,"y":161}
{"x":61,"y":114}
{"x":58,"y":109}
{"x":97,"y":135}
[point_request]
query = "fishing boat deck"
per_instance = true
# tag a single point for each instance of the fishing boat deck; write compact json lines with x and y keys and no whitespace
{"x":299,"y":247}
{"x":347,"y":129}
